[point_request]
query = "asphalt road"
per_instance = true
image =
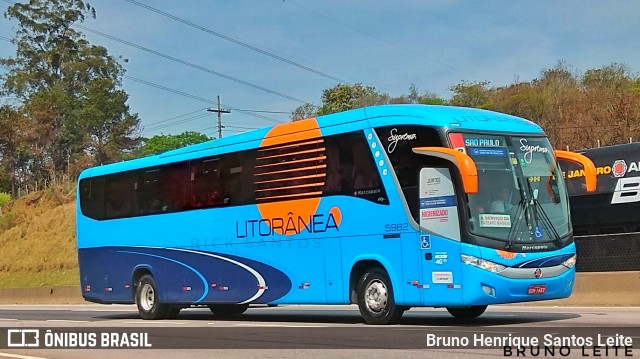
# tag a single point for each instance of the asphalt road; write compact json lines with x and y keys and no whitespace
{"x":314,"y":331}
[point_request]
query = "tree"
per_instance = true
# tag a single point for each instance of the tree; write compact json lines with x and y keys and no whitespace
{"x":302,"y":112}
{"x":470,"y":94}
{"x":162,"y":143}
{"x":414,"y":97}
{"x":614,"y":106}
{"x":68,"y":90}
{"x":344,"y":97}
{"x":102,"y":124}
{"x":519,"y":99}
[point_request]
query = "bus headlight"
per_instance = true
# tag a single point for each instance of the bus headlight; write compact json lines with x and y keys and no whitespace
{"x":569,"y":263}
{"x":481,"y":263}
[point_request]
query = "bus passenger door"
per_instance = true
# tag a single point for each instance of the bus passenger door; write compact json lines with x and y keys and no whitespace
{"x":439,"y":238}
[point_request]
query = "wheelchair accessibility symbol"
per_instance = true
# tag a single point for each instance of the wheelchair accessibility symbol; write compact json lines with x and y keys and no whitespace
{"x":537,"y":232}
{"x":425,"y":242}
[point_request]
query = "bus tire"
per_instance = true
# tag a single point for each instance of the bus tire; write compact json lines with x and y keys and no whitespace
{"x":375,"y":299}
{"x":173,"y":312}
{"x":470,"y":312}
{"x":228,"y":310}
{"x":147,"y":299}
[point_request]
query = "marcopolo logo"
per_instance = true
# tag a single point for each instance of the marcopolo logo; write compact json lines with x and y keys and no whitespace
{"x":619,"y":168}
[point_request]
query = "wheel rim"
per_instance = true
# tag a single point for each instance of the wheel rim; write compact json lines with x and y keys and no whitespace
{"x":376,"y":296}
{"x":147,"y":297}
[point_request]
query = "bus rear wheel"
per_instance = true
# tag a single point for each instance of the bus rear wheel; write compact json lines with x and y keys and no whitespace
{"x":228,"y":310}
{"x":471,"y":312}
{"x":147,"y":299}
{"x":375,"y":299}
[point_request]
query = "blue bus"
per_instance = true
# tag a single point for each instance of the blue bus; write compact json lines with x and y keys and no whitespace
{"x":389,"y":207}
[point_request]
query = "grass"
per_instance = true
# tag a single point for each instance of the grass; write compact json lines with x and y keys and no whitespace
{"x":31,"y":279}
{"x":38,"y":241}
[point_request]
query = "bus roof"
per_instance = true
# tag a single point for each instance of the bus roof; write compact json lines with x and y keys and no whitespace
{"x":448,"y":117}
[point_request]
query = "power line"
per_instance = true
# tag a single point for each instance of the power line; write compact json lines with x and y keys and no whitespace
{"x":206,"y":128}
{"x":243,"y":128}
{"x":179,"y":116}
{"x":238,"y":42}
{"x":359,"y":30}
{"x":261,"y":111}
{"x":198,"y":67}
{"x":198,"y":98}
{"x":180,"y":120}
{"x":173,"y":123}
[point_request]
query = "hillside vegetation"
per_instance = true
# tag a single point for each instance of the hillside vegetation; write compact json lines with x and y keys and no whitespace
{"x":38,"y":240}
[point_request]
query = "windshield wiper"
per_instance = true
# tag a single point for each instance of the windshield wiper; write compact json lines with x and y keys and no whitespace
{"x":540,"y":216}
{"x":522,"y":211}
{"x":546,"y":222}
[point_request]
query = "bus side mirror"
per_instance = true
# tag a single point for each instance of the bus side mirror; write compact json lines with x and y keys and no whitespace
{"x":585,"y":162}
{"x":464,"y":163}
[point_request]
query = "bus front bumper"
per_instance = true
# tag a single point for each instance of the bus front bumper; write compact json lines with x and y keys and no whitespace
{"x":481,"y":287}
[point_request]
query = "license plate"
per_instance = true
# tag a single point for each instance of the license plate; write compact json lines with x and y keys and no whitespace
{"x":537,"y":289}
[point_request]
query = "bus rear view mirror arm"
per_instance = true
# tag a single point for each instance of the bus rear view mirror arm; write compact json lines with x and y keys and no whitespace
{"x":587,"y":164}
{"x":465,"y":164}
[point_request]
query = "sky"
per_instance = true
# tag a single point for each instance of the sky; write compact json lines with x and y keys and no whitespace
{"x":265,"y":58}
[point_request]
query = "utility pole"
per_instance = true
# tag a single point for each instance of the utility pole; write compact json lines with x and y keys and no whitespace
{"x":220,"y":112}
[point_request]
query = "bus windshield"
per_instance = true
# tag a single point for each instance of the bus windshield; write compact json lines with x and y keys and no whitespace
{"x":521,"y":195}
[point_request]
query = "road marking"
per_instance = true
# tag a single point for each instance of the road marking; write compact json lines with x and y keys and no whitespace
{"x":67,"y":321}
{"x":438,"y":329}
{"x":1,"y":319}
{"x":279,"y":325}
{"x":17,"y":356}
{"x":154,"y":322}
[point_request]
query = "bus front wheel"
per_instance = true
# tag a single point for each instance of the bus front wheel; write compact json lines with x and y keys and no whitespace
{"x":467,"y":312}
{"x":375,"y":299}
{"x":227,"y":310}
{"x":147,"y":299}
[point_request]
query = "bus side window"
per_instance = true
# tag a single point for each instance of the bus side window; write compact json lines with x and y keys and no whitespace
{"x":351,"y":169}
{"x":237,"y":178}
{"x":148,"y":191}
{"x":174,"y":184}
{"x":206,"y":185}
{"x":119,"y":195}
{"x":365,"y":175}
{"x":92,"y":197}
{"x":405,"y":163}
{"x":333,"y":182}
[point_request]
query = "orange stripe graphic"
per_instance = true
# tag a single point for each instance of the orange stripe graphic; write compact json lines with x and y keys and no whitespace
{"x":320,"y":158}
{"x":292,"y":178}
{"x":301,"y":169}
{"x":291,"y":187}
{"x":292,"y":153}
{"x":286,"y":136}
{"x":314,"y":142}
